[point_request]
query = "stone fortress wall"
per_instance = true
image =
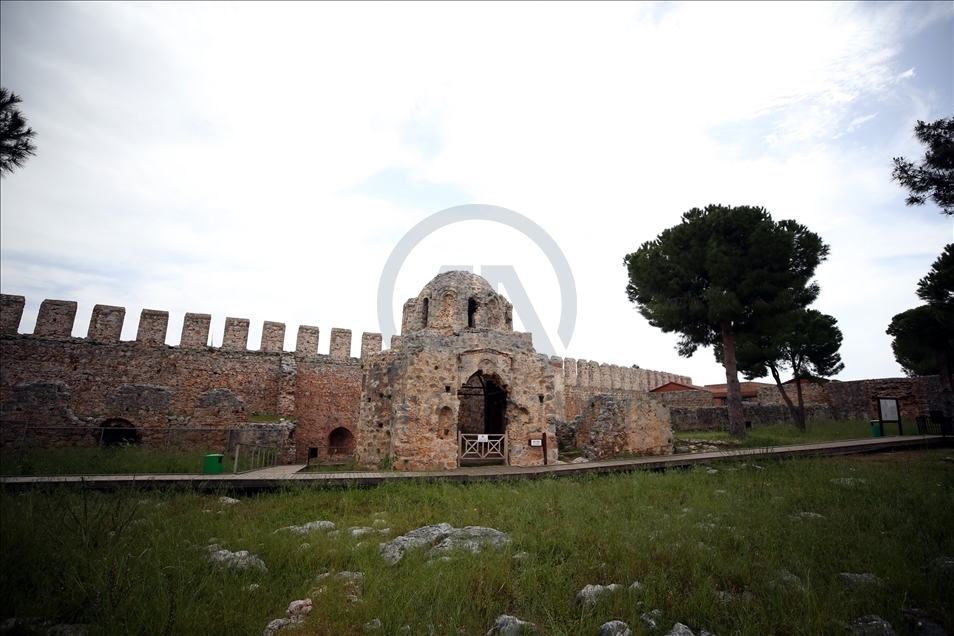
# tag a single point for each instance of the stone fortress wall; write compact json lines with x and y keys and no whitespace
{"x":51,"y":379}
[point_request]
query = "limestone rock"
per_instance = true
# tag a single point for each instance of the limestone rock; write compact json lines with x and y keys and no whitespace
{"x":943,"y":566}
{"x":511,"y":626}
{"x":298,"y":610}
{"x":848,"y":481}
{"x":590,"y":593}
{"x":472,"y":539}
{"x":806,"y":515}
{"x":920,"y":621}
{"x":393,"y":551}
{"x":372,"y":625}
{"x":240,"y":560}
{"x":615,"y":628}
{"x":651,"y":619}
{"x":228,"y":501}
{"x":680,"y":630}
{"x":860,"y":580}
{"x":872,"y":625}
{"x":308,"y":527}
{"x":273,"y":626}
{"x":785,"y":579}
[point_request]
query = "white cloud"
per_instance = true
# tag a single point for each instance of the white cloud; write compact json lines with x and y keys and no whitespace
{"x":261,"y":160}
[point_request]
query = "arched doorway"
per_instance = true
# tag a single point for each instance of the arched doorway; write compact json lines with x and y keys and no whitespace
{"x":340,"y":442}
{"x":482,"y":421}
{"x":118,"y":431}
{"x":483,"y":406}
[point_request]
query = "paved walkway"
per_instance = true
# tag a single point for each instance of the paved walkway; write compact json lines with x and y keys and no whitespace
{"x":278,"y":476}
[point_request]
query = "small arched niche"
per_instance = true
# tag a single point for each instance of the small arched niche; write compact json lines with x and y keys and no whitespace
{"x":340,"y":442}
{"x":117,"y":432}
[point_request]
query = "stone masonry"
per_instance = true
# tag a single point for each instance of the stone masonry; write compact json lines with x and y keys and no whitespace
{"x":457,"y":357}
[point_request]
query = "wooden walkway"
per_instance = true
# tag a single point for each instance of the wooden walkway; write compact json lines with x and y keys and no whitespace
{"x":279,"y":476}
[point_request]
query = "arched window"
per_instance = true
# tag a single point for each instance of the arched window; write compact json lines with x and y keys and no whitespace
{"x":426,"y":303}
{"x":471,"y":310}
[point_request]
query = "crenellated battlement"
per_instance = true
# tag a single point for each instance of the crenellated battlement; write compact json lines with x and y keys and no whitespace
{"x":610,"y":377}
{"x":56,"y":319}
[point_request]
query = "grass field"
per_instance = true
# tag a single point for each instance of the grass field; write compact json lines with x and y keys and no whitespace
{"x":825,"y":431}
{"x":729,"y":552}
{"x":133,"y":459}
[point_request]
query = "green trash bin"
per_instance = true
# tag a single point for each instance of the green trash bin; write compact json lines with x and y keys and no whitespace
{"x":876,"y":429}
{"x":213,"y":464}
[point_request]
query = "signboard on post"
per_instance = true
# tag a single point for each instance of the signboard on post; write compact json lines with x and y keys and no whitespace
{"x":483,"y":439}
{"x":536,"y":442}
{"x":889,"y":411}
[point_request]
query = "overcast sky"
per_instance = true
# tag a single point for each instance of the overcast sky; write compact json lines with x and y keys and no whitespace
{"x":262,"y":160}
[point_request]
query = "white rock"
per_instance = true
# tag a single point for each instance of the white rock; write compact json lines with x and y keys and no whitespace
{"x":872,"y":625}
{"x":860,"y":580}
{"x":615,"y":628}
{"x":228,"y":501}
{"x":372,"y":625}
{"x":472,"y":539}
{"x":680,"y":630}
{"x":590,"y":593}
{"x":393,"y":551}
{"x":651,"y":619}
{"x":510,"y":626}
{"x":240,"y":560}
{"x":308,"y":527}
{"x":298,"y":610}
{"x":272,"y":628}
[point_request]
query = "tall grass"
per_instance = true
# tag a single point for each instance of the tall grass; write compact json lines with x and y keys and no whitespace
{"x":111,"y":460}
{"x":133,"y":562}
{"x":783,"y":434}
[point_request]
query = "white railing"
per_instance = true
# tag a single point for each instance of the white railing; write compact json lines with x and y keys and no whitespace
{"x":474,"y":446}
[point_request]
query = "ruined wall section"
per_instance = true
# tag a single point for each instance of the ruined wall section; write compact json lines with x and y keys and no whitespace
{"x":101,"y":377}
{"x":326,"y":397}
{"x":610,"y":426}
{"x":583,"y":380}
{"x":857,"y":399}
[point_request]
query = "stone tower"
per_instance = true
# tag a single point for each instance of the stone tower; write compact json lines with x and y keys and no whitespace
{"x":457,"y":372}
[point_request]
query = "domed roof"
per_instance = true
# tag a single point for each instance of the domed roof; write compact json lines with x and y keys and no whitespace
{"x":458,"y":281}
{"x":457,"y":300}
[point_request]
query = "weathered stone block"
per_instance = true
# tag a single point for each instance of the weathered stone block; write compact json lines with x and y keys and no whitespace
{"x":307,"y":343}
{"x":106,"y":323}
{"x":396,"y":342}
{"x":55,"y":319}
{"x":370,"y":343}
{"x":195,"y":331}
{"x":569,"y":372}
{"x":235,"y":337}
{"x":153,"y":325}
{"x":273,"y":336}
{"x":340,"y":344}
{"x":11,"y":311}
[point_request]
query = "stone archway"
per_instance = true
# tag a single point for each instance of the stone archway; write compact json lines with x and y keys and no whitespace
{"x":483,"y":405}
{"x":340,"y":442}
{"x":117,"y":431}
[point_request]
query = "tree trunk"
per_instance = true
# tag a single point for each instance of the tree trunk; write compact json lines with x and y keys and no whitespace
{"x":944,"y":377}
{"x":733,"y":388}
{"x":801,"y":404}
{"x":781,"y":389}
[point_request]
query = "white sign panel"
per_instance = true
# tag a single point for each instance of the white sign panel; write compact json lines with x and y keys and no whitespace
{"x":483,"y":439}
{"x":889,"y":410}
